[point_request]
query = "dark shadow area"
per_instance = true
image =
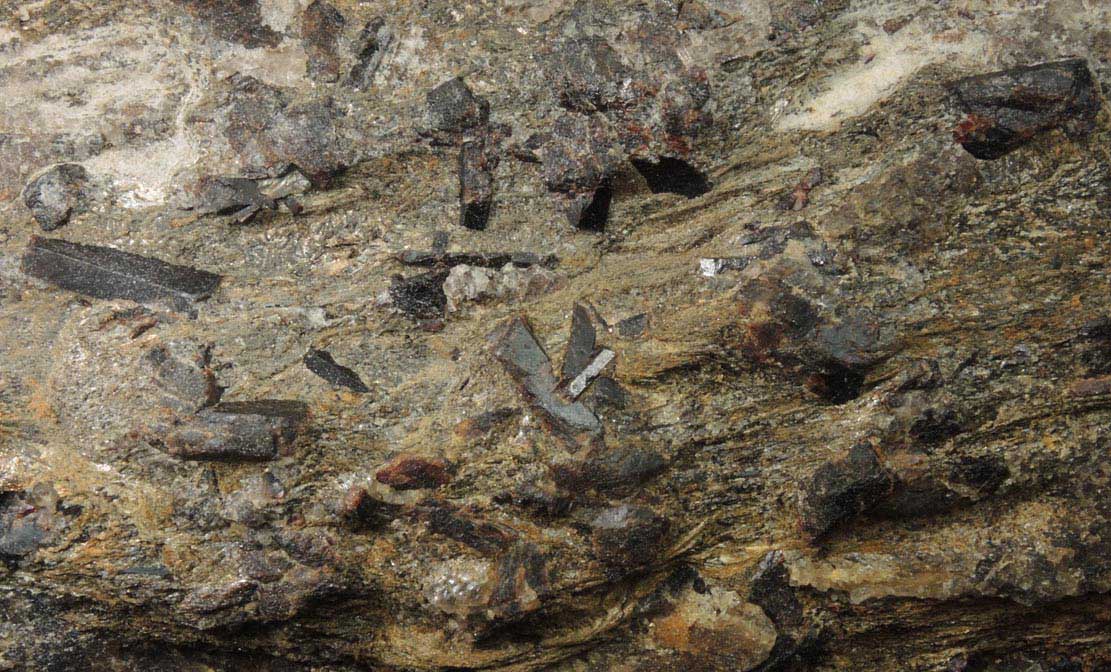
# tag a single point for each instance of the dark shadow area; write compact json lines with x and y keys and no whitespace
{"x":673,"y":176}
{"x":837,"y":384}
{"x":595,"y":214}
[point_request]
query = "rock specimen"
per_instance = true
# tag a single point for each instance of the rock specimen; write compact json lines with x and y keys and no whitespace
{"x":696,"y":342}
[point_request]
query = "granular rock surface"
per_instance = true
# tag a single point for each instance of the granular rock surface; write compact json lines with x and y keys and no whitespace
{"x":555,"y":335}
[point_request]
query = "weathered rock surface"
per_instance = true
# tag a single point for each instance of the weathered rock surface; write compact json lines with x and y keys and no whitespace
{"x":641,"y":336}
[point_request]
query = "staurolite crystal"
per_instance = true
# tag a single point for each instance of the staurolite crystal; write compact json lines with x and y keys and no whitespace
{"x":580,"y":345}
{"x":57,"y":194}
{"x":452,"y":107}
{"x":842,"y":489}
{"x":476,"y":185}
{"x":528,"y":364}
{"x":108,"y":273}
{"x":1006,"y":109}
{"x":420,"y":296}
{"x":237,"y":430}
{"x":322,"y":364}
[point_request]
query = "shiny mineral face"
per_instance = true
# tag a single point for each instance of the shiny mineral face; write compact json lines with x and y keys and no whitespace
{"x":715,"y":335}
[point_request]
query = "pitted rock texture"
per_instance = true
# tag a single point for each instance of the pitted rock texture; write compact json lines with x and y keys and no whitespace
{"x":563,"y":335}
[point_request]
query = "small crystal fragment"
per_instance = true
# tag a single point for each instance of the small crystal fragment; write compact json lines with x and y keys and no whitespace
{"x":321,"y":363}
{"x":237,"y":196}
{"x":580,"y":347}
{"x":711,"y":266}
{"x":576,"y":386}
{"x":842,"y":489}
{"x":412,"y":472}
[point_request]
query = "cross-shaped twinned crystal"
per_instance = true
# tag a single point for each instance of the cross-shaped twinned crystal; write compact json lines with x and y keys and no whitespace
{"x":523,"y":357}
